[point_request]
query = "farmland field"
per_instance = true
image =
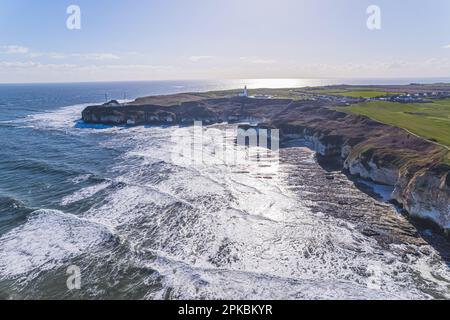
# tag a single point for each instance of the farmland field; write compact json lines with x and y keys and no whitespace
{"x":428,"y":120}
{"x":355,"y":93}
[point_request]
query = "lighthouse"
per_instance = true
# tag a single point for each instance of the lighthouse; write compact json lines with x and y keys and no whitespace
{"x":245,"y":93}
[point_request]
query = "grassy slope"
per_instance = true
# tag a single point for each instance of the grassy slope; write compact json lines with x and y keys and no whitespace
{"x":175,"y":99}
{"x":366,"y":94}
{"x":428,"y":120}
{"x":354,"y":93}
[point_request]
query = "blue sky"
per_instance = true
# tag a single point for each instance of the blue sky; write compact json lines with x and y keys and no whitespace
{"x":218,"y":39}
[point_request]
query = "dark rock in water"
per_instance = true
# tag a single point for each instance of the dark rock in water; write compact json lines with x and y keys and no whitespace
{"x":370,"y":233}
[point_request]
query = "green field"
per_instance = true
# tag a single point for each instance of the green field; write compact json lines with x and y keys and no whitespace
{"x":428,"y":120}
{"x":365,"y":94}
{"x":354,"y":93}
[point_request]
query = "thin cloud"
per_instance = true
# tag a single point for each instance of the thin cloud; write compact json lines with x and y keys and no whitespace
{"x":14,"y":49}
{"x":258,"y":60}
{"x":130,"y":66}
{"x":446,"y":47}
{"x":263,"y":61}
{"x":83,"y":56}
{"x":199,"y":58}
{"x":96,"y":56}
{"x":32,"y":65}
{"x":51,"y":55}
{"x":18,"y":64}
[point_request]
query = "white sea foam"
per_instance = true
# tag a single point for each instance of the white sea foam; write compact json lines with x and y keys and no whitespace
{"x":213,"y":283}
{"x":81,"y":178}
{"x":61,"y":118}
{"x":217,"y":231}
{"x":254,"y":235}
{"x":84,"y":193}
{"x":47,"y":240}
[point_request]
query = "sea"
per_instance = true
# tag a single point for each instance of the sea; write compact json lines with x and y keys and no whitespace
{"x":103,"y":212}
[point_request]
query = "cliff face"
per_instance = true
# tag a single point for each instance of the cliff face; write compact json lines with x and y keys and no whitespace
{"x":426,"y":194}
{"x":148,"y":114}
{"x":208,"y":110}
{"x":368,"y":149}
{"x":383,"y":154}
{"x":369,"y":170}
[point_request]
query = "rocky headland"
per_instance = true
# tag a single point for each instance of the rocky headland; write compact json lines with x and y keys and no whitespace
{"x":417,"y":169}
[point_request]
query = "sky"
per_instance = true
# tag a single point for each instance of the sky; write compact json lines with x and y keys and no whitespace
{"x":122,"y":40}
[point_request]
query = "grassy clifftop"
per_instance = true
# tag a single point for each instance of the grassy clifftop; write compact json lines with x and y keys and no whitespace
{"x":364,"y":93}
{"x":428,"y":120}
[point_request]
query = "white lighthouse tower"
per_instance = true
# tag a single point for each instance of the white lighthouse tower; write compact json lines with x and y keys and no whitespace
{"x":245,"y":93}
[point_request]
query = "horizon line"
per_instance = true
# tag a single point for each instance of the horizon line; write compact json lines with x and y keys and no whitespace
{"x":231,"y":79}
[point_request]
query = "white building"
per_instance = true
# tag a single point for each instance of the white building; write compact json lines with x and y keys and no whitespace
{"x":245,"y":93}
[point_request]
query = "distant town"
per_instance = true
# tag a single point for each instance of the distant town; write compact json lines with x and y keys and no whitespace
{"x":421,"y":97}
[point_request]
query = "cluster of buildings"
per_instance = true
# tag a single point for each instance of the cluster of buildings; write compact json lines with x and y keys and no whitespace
{"x":420,"y":97}
{"x":244,"y":94}
{"x":337,"y":100}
